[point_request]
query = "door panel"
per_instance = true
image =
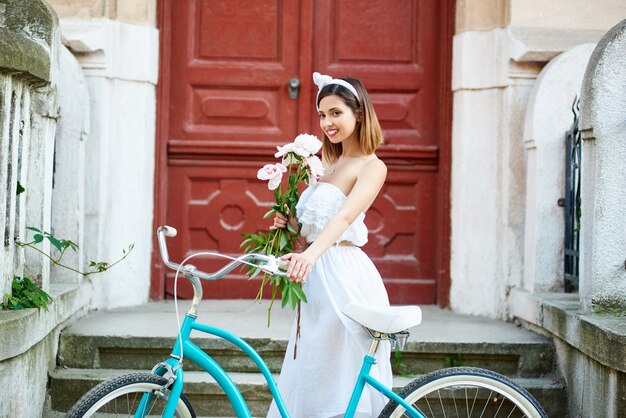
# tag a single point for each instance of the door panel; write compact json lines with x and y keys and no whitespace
{"x":231,"y":62}
{"x":225,"y":107}
{"x":388,"y":49}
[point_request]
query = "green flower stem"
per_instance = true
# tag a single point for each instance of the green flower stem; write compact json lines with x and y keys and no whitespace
{"x":55,"y":262}
{"x":58,"y":263}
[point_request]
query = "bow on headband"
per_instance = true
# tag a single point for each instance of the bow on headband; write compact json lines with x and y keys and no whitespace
{"x":321,"y":81}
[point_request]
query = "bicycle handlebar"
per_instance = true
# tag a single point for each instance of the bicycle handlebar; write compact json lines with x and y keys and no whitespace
{"x":272,"y":264}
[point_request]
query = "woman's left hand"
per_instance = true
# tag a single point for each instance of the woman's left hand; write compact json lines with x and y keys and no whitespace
{"x":300,"y":265}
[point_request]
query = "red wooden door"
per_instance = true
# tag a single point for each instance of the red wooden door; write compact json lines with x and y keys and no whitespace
{"x":224,"y":106}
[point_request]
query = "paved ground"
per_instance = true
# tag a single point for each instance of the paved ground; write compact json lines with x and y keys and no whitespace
{"x":248,"y":319}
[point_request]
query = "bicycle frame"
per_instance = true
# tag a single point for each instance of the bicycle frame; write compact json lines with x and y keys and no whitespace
{"x":195,"y":354}
{"x":202,"y":359}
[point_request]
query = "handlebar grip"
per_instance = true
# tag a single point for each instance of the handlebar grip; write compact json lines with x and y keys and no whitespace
{"x":283,"y":264}
{"x":169,"y":231}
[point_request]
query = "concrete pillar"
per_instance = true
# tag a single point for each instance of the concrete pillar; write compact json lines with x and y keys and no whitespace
{"x":603,"y":129}
{"x":548,"y":116}
{"x":120,"y":63}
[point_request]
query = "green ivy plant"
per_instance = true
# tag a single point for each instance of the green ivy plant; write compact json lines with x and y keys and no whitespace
{"x":400,"y":366}
{"x":453,"y":360}
{"x":25,"y":294}
{"x":62,"y":246}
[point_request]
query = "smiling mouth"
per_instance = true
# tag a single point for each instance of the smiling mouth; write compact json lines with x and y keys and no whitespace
{"x":331,"y":132}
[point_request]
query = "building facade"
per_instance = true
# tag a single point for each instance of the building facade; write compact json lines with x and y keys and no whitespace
{"x":165,"y":111}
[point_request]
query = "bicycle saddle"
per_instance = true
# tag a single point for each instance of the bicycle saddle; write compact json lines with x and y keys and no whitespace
{"x":387,"y":320}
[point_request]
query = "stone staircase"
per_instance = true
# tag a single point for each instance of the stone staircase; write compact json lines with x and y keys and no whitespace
{"x":106,"y":344}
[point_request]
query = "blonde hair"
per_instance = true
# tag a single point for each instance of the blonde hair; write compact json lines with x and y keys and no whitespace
{"x":370,"y":134}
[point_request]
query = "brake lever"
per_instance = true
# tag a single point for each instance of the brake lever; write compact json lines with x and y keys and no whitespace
{"x":276,"y":266}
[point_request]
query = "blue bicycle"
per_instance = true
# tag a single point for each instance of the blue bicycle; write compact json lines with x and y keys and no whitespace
{"x":452,"y":392}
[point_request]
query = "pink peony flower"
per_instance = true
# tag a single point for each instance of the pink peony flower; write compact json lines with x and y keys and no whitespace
{"x":304,"y":145}
{"x":273,"y":173}
{"x":316,"y":168}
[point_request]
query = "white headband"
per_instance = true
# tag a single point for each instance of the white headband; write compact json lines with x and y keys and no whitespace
{"x":322,"y":81}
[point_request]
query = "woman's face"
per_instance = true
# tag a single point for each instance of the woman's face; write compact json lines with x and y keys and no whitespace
{"x":337,"y":120}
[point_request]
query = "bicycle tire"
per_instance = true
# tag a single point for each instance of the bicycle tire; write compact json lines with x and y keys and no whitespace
{"x":120,"y":394}
{"x":482,"y":393}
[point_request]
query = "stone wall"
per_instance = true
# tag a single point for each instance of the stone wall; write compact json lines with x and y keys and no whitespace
{"x":29,"y":39}
{"x":36,"y":85}
{"x":589,"y":328}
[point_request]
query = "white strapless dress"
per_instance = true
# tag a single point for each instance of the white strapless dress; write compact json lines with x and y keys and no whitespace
{"x":319,"y":382}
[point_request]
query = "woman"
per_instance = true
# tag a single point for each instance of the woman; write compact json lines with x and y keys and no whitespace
{"x":319,"y":381}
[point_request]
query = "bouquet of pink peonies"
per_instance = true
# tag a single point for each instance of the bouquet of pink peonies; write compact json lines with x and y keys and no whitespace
{"x":299,"y":164}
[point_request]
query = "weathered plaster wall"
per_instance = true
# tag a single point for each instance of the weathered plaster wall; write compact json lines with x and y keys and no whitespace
{"x":589,"y":349}
{"x":481,"y":14}
{"x":120,"y":63}
{"x":594,"y":390}
{"x":566,"y":14}
{"x":135,"y":11}
{"x":26,"y":379}
{"x":498,"y":51}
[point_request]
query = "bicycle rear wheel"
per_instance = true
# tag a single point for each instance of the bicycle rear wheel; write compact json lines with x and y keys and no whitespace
{"x":465,"y":392}
{"x":120,"y":397}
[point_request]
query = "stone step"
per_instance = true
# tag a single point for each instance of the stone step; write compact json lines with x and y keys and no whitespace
{"x":138,"y":338}
{"x":68,"y":385}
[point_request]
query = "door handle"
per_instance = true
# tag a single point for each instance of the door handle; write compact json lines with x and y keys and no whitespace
{"x":294,"y":88}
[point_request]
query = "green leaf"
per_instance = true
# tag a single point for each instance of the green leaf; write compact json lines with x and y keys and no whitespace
{"x":284,"y":291}
{"x":292,"y":181}
{"x":292,"y":299}
{"x":26,"y":294}
{"x":299,"y":293}
{"x":255,"y":273}
{"x":38,"y":238}
{"x":283,"y":240}
{"x":20,"y":189}
{"x":291,"y":229}
{"x":69,"y":244}
{"x":269,"y":213}
{"x":31,"y":228}
{"x":99,"y":266}
{"x":55,"y":242}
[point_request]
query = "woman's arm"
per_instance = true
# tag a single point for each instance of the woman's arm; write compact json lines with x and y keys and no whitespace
{"x":369,"y":182}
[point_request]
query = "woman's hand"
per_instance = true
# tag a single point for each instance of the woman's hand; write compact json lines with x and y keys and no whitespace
{"x":280,"y":221}
{"x":300,"y":265}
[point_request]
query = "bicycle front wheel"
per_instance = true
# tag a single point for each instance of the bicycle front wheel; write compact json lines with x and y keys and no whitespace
{"x":121,"y":397}
{"x":465,"y":392}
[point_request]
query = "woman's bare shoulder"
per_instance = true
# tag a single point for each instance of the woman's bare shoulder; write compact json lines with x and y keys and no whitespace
{"x":374,"y":167}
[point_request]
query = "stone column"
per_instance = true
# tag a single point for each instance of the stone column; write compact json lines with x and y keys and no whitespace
{"x":548,"y":116}
{"x":603,"y":129}
{"x":68,"y":194}
{"x":119,"y":61}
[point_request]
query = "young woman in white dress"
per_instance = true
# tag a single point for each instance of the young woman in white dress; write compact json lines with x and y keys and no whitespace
{"x":330,"y":349}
